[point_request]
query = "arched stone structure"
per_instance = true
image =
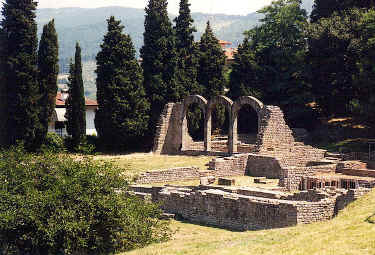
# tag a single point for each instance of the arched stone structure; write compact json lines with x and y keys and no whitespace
{"x":202,"y":103}
{"x":228,"y":103}
{"x":237,"y":105}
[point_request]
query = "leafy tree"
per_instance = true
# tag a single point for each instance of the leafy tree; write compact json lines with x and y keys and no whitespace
{"x":270,"y":62}
{"x":159,"y":60}
{"x":122,"y":116}
{"x":21,"y":83}
{"x":187,"y":51}
{"x":333,"y":56}
{"x":75,"y":103}
{"x":48,"y":58}
{"x":211,"y":64}
{"x":69,"y":206}
{"x":325,"y":8}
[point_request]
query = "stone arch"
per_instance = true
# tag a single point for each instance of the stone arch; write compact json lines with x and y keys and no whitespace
{"x":245,"y":100}
{"x":202,"y":103}
{"x":228,"y":103}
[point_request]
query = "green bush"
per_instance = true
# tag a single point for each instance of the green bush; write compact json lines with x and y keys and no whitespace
{"x":53,"y":143}
{"x":86,"y":147}
{"x":55,"y":204}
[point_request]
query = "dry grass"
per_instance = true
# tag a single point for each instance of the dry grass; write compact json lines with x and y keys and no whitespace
{"x":136,"y":163}
{"x":349,"y":233}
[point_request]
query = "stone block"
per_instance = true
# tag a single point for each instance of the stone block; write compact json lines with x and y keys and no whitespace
{"x":227,"y":182}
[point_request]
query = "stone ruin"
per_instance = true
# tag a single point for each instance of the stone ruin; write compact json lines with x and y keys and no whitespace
{"x":313,"y":184}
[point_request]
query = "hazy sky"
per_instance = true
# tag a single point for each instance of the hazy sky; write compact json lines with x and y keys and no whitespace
{"x":207,"y":6}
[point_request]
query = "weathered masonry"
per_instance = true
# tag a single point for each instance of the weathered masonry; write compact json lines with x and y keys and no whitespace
{"x":172,"y":133}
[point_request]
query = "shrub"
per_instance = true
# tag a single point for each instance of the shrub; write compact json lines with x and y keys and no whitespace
{"x":86,"y":146}
{"x":53,"y":143}
{"x":55,"y":204}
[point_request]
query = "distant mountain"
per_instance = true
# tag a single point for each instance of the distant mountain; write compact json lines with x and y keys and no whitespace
{"x":88,"y":26}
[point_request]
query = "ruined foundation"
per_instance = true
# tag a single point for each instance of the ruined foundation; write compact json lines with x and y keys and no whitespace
{"x":327,"y":183}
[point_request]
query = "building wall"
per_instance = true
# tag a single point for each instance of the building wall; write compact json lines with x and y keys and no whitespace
{"x":90,"y":120}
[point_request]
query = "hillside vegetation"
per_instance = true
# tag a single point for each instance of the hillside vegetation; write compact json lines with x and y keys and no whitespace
{"x":351,"y":232}
{"x":89,"y":25}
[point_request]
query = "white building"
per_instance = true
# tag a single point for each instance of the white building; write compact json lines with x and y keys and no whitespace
{"x":57,"y":124}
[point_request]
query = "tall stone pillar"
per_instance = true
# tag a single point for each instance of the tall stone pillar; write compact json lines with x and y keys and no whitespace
{"x":207,"y":130}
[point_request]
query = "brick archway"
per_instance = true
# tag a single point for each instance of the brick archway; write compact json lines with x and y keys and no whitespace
{"x":202,"y":103}
{"x":228,"y":103}
{"x":245,"y":100}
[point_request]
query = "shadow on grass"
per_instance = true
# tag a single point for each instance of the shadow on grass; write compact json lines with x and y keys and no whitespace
{"x":371,"y":219}
{"x":181,"y":219}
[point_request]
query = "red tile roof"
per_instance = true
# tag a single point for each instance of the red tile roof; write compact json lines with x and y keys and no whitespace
{"x":223,"y":43}
{"x":61,"y":102}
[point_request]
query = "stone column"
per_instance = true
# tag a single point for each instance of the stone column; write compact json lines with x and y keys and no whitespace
{"x":233,"y":135}
{"x":207,"y":130}
{"x":184,"y":131}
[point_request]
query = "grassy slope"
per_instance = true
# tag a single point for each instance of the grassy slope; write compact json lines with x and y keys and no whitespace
{"x":140,"y":162}
{"x":348,"y":233}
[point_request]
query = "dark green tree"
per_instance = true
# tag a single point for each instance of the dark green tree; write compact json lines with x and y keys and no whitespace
{"x":325,"y":8}
{"x":122,"y":117}
{"x":188,"y":65}
{"x":21,"y":83}
{"x":159,"y":60}
{"x":211,"y":64}
{"x":48,"y":59}
{"x":3,"y":97}
{"x":270,"y":62}
{"x":245,"y":72}
{"x":75,"y":103}
{"x":186,"y":51}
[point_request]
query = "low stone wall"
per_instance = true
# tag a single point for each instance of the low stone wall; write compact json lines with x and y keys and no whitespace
{"x":250,"y":209}
{"x":258,"y":165}
{"x":292,"y":177}
{"x":358,"y":172}
{"x":169,"y":175}
{"x":229,"y":166}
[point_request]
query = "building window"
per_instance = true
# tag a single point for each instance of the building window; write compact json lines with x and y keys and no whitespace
{"x":59,"y":127}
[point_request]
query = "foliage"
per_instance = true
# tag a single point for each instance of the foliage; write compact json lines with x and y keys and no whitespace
{"x":3,"y":105}
{"x":340,"y":55}
{"x":54,"y":204}
{"x":270,"y":63}
{"x":48,"y":70}
{"x":122,"y":117}
{"x":186,"y":51}
{"x":211,"y":64}
{"x":53,"y":143}
{"x":21,"y":84}
{"x":325,"y":8}
{"x":75,"y":103}
{"x":159,"y":60}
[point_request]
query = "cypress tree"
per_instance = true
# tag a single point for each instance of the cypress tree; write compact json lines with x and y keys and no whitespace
{"x":122,"y":116}
{"x":211,"y":72}
{"x":48,"y":71}
{"x":186,"y":50}
{"x":211,"y":64}
{"x":159,"y":60}
{"x":22,"y":89}
{"x":3,"y":106}
{"x":244,"y":73}
{"x":75,"y":103}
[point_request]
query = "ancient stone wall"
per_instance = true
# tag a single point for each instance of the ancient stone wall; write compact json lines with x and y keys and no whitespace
{"x":169,"y":175}
{"x":243,"y":209}
{"x":229,"y":166}
{"x":168,"y":130}
{"x":267,"y":166}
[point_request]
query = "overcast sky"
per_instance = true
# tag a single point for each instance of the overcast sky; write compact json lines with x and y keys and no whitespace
{"x":242,"y":7}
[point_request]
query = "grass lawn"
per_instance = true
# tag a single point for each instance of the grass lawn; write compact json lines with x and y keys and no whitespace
{"x":351,"y":232}
{"x":137,"y":163}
